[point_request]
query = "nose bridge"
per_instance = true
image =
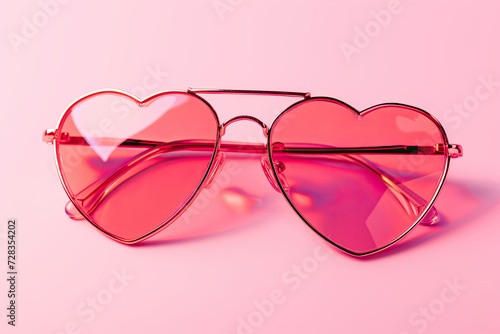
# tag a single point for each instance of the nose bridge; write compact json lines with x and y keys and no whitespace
{"x":265,"y":163}
{"x":265,"y":129}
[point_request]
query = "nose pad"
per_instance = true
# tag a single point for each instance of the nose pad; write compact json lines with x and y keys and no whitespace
{"x":268,"y":171}
{"x":220,"y":159}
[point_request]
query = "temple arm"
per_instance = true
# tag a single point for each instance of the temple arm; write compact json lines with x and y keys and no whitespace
{"x":455,"y":151}
{"x":93,"y":195}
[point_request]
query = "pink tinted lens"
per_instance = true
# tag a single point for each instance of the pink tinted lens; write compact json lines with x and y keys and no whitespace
{"x":361,"y":182}
{"x":130,"y":166}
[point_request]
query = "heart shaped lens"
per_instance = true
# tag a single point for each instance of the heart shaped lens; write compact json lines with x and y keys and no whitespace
{"x":131,"y":166}
{"x":360,"y":180}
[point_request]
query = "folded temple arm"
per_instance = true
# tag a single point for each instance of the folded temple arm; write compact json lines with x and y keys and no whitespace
{"x":94,"y":194}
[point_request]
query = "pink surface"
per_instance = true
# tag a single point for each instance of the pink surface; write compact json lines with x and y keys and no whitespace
{"x":241,"y":261}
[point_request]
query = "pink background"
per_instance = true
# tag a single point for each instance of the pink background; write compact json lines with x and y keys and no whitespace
{"x":430,"y":54}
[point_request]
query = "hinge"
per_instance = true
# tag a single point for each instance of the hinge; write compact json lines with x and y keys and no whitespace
{"x":455,"y":151}
{"x":49,"y":135}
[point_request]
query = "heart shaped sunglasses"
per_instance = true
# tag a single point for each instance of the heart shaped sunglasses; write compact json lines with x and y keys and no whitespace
{"x":361,"y":180}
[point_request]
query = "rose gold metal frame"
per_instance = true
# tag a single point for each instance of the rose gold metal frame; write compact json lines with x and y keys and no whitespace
{"x":248,"y":92}
{"x":451,"y":150}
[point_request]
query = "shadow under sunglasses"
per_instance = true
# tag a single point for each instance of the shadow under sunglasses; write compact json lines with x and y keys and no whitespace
{"x":241,"y":198}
